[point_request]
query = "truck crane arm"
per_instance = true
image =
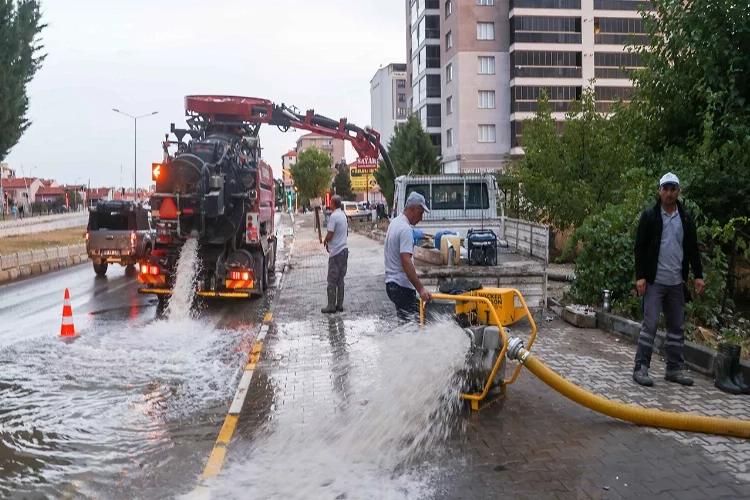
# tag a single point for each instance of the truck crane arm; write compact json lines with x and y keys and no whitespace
{"x":247,"y":113}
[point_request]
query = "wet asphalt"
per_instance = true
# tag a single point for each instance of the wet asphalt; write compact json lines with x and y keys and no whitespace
{"x":130,"y":407}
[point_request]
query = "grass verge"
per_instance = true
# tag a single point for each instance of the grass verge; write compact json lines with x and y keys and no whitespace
{"x":37,"y":241}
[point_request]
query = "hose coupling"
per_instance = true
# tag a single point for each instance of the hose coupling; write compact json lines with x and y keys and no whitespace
{"x":515,"y":344}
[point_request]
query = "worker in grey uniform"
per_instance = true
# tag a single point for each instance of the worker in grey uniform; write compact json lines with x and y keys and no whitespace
{"x":401,"y":281}
{"x":335,"y":243}
{"x":666,"y":246}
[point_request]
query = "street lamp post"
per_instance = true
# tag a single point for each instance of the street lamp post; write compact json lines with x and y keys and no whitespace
{"x":135,"y":148}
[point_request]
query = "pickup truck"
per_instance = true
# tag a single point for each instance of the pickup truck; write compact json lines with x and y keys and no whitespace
{"x":118,"y":232}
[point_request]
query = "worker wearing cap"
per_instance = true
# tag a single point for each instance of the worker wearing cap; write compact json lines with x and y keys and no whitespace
{"x":666,"y":245}
{"x":401,"y":281}
{"x":338,"y":256}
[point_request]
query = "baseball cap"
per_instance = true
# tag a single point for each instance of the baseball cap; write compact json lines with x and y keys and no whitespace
{"x":669,"y":178}
{"x":416,"y":199}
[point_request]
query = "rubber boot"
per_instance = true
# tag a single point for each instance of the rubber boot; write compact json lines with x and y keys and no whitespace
{"x":331,"y":307}
{"x":640,"y":375}
{"x":723,"y":370}
{"x":340,"y":298}
{"x":736,"y":371}
{"x":678,"y":377}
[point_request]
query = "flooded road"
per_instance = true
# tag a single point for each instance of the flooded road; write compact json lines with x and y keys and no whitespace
{"x":130,"y":407}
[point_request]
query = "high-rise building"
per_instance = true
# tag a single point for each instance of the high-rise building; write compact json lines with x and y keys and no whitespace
{"x":423,"y":64}
{"x":388,"y":106}
{"x":495,"y":57}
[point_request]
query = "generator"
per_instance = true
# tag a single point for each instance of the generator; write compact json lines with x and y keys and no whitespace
{"x":481,"y":245}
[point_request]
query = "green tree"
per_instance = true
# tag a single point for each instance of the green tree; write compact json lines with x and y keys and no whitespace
{"x":20,"y":58}
{"x":411,"y":151}
{"x":695,"y":94}
{"x":312,"y":173}
{"x":566,"y":177}
{"x":342,"y":183}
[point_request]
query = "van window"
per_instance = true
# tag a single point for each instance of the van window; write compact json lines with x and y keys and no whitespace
{"x":450,"y":196}
{"x":113,"y":221}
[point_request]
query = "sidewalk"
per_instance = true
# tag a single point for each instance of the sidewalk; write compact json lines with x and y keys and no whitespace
{"x":532,"y":444}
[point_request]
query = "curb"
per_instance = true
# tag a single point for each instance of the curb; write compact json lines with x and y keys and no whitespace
{"x":219,"y":451}
{"x":698,"y":357}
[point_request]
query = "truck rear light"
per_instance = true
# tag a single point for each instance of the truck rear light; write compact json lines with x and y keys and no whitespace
{"x":132,"y":239}
{"x":88,"y":237}
{"x":152,"y":270}
{"x":239,"y":275}
{"x":187,"y":211}
{"x":159,"y":253}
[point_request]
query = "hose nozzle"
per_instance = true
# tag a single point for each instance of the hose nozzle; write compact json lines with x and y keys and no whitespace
{"x":515,"y":344}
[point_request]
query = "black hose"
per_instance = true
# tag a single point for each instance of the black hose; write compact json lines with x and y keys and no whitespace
{"x":561,"y":277}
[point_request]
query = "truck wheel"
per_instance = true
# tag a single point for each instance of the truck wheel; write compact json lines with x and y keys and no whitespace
{"x":101,"y":268}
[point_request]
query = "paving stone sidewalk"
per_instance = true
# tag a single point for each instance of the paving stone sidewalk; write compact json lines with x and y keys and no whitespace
{"x":532,"y":444}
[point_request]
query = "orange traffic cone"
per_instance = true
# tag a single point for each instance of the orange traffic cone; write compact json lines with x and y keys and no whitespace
{"x":67,"y":329}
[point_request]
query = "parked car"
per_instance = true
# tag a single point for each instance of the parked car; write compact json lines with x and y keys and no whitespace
{"x":118,"y":232}
{"x":356,"y":211}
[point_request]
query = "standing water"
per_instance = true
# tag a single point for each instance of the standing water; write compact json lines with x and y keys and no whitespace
{"x":384,"y":442}
{"x":184,"y":287}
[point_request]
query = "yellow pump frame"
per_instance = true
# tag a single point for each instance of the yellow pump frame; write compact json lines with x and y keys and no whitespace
{"x":498,"y":307}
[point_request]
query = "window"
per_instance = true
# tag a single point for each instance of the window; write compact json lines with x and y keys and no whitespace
{"x":449,"y":73}
{"x":401,"y":84}
{"x":401,"y":112}
{"x":486,"y":65}
{"x":615,"y":64}
{"x":617,"y":31}
{"x":485,"y":31}
{"x":449,"y":105}
{"x":448,"y":41}
{"x":453,"y":195}
{"x":449,"y":137}
{"x":401,"y":97}
{"x":486,"y":99}
{"x":545,"y":64}
{"x":546,"y":4}
{"x":448,"y":8}
{"x":524,"y":98}
{"x":485,"y":2}
{"x":544,"y":29}
{"x":622,"y":5}
{"x":486,"y":133}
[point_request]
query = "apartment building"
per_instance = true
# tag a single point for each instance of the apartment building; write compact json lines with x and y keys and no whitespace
{"x":562,"y":45}
{"x":495,"y":57}
{"x":334,"y":147}
{"x":388,"y":105}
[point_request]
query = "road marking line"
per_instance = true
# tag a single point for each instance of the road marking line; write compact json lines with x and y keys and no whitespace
{"x":215,"y":461}
{"x":227,"y":429}
{"x":239,"y":396}
{"x":219,"y":451}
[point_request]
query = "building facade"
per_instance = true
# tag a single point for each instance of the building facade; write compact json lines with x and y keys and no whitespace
{"x":495,"y":57}
{"x":388,"y":104}
{"x":334,"y":147}
{"x":423,"y":65}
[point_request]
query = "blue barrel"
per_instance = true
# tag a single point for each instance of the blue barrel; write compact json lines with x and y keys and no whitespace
{"x":439,"y":236}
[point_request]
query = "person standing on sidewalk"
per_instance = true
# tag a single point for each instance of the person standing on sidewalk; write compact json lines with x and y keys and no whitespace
{"x":666,"y":245}
{"x":401,"y":281}
{"x":335,"y":243}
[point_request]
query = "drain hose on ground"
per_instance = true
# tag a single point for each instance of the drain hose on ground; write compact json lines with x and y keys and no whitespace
{"x":634,"y":414}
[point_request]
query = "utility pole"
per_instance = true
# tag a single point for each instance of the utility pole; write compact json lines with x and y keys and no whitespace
{"x":135,"y":147}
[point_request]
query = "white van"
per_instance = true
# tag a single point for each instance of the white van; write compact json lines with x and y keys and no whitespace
{"x":450,"y":196}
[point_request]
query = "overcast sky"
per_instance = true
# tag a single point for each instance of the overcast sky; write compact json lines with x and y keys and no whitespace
{"x":145,"y":55}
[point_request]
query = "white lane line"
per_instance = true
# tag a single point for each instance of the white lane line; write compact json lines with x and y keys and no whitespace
{"x":239,"y":396}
